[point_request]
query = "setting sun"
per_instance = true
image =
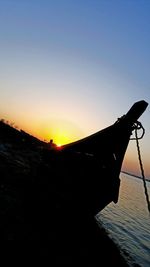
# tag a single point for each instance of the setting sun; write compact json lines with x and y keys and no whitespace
{"x":60,"y":131}
{"x":59,"y":145}
{"x":61,"y":136}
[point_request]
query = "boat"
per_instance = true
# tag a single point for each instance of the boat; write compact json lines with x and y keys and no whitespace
{"x":54,"y":193}
{"x":91,"y":166}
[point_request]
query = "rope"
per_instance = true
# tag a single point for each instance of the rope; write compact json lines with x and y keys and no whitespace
{"x":138,"y":126}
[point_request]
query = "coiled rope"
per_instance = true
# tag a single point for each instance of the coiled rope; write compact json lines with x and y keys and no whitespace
{"x":138,"y":126}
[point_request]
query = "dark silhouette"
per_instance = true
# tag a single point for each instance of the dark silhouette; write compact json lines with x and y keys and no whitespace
{"x":54,"y":195}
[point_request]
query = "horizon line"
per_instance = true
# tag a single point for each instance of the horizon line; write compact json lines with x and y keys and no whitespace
{"x":136,"y":176}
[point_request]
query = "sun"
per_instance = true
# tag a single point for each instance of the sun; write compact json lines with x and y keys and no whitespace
{"x":59,"y":145}
{"x":62,"y":132}
{"x":62,"y":137}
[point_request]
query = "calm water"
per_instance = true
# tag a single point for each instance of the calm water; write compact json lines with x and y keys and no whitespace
{"x":128,"y":221}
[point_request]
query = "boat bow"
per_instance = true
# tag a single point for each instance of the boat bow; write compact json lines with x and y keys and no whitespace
{"x":95,"y":161}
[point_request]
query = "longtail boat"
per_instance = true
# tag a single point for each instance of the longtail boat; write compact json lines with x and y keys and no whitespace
{"x":54,"y":194}
{"x":92,"y":165}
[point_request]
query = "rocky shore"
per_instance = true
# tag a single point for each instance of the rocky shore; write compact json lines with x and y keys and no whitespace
{"x":29,"y":210}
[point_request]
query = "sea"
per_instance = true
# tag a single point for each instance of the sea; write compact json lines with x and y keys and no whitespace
{"x":128,"y":221}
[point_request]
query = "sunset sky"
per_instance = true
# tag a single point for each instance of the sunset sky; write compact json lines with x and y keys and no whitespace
{"x":69,"y":68}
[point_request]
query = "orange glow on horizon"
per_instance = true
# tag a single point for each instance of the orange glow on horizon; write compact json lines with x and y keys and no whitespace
{"x":63,"y":132}
{"x":131,"y":163}
{"x":60,"y":131}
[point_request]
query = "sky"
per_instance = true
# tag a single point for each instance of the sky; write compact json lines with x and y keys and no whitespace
{"x":71,"y":68}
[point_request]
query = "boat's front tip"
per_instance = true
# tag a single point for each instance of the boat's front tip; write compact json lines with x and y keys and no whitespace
{"x":136,"y":110}
{"x":142,"y":104}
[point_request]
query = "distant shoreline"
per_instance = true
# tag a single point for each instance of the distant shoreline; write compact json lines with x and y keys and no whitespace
{"x":136,"y":176}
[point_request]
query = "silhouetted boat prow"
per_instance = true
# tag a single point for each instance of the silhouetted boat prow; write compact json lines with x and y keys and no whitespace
{"x":92,"y":165}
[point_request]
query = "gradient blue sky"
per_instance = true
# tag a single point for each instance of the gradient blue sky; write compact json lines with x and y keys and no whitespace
{"x":69,"y":68}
